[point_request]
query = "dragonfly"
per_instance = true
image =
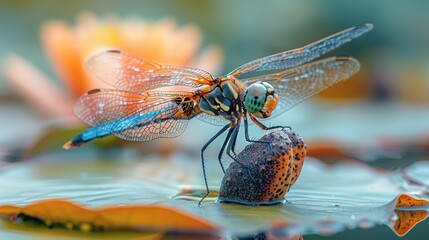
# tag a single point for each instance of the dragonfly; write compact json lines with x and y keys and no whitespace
{"x":148,"y":100}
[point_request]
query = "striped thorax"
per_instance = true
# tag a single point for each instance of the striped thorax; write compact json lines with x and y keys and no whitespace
{"x":223,"y":100}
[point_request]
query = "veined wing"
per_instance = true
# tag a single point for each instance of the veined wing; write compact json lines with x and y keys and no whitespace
{"x":299,"y":56}
{"x":214,"y":120}
{"x":297,"y":84}
{"x":128,"y":72}
{"x":132,"y":116}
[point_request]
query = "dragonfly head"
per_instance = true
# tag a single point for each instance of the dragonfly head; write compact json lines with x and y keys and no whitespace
{"x":260,"y":99}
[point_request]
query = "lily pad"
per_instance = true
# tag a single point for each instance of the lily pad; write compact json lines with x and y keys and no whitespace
{"x":324,"y":200}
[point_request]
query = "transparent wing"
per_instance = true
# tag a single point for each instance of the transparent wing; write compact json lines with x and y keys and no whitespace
{"x":132,"y":116}
{"x":165,"y":129}
{"x":128,"y":72}
{"x":297,"y":84}
{"x":299,"y":56}
{"x":214,"y":120}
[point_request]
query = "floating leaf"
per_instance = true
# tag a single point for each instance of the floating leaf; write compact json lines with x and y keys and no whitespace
{"x":418,"y":174}
{"x":130,"y":217}
{"x":324,"y":200}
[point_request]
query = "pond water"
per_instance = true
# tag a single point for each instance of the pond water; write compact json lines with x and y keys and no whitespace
{"x":325,"y":200}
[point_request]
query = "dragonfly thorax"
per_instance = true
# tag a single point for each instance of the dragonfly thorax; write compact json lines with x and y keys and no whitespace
{"x":260,"y":99}
{"x":223,"y":100}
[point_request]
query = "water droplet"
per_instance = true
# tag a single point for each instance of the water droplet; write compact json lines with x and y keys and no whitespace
{"x":394,"y":217}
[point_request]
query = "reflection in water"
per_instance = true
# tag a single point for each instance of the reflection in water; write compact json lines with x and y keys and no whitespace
{"x":406,"y":220}
{"x":195,"y":193}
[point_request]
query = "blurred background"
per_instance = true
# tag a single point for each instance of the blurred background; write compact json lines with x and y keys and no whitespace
{"x":381,"y":113}
{"x":46,"y":40}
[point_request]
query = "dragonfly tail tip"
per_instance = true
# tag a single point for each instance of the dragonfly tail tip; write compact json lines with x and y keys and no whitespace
{"x":68,"y":145}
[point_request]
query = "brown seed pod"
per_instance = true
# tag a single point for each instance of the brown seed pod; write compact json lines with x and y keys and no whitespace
{"x":264,"y":173}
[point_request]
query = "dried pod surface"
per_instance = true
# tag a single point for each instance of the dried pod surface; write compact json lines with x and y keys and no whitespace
{"x":264,"y":173}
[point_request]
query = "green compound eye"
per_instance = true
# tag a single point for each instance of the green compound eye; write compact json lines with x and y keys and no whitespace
{"x":255,"y":97}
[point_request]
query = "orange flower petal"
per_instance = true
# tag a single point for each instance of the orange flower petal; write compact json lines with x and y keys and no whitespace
{"x":59,"y":43}
{"x":210,"y":60}
{"x":164,"y":42}
{"x":36,"y":88}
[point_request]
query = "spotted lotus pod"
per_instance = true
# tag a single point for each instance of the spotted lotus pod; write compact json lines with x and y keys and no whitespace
{"x":264,"y":171}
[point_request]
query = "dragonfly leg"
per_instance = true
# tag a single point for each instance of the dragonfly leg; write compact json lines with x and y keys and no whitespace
{"x":231,"y":146}
{"x":203,"y":162}
{"x":223,"y":149}
{"x":262,"y":126}
{"x":234,"y":141}
{"x":231,"y":143}
{"x":246,"y":133}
